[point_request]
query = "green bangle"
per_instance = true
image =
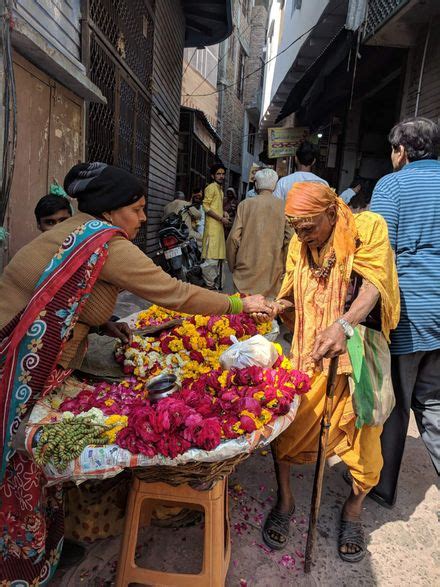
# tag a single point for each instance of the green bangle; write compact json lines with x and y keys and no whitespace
{"x":235,"y":305}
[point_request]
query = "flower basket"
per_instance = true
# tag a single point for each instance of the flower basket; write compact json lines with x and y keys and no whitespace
{"x":195,"y":466}
{"x":193,"y":473}
{"x":213,"y":420}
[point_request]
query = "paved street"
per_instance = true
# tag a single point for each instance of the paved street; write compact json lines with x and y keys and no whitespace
{"x":404,"y":543}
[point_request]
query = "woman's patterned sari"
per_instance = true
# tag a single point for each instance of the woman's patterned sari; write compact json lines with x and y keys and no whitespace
{"x":31,"y":515}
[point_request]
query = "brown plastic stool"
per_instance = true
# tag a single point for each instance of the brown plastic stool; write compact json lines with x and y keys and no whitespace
{"x":217,"y":544}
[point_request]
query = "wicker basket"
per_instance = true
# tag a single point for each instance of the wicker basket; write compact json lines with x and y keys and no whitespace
{"x":195,"y":473}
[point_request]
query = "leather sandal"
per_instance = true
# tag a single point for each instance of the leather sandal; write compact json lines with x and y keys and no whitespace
{"x":277,"y":528}
{"x":351,"y":533}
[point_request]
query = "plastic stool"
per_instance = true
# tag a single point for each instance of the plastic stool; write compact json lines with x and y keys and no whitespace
{"x":217,"y":544}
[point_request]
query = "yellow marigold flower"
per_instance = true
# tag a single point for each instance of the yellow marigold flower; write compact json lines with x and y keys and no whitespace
{"x":201,"y":320}
{"x":278,"y":347}
{"x":176,"y":345}
{"x":223,"y":378}
{"x":236,"y":428}
{"x":109,"y":402}
{"x":265,"y":416}
{"x":259,"y":395}
{"x":286,"y":364}
{"x":264,"y":328}
{"x":111,"y":434}
{"x":116,"y":420}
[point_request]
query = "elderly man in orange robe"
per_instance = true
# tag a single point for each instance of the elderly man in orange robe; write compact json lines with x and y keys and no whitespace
{"x":340,"y":273}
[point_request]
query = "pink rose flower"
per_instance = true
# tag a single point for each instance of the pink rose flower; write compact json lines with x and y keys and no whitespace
{"x":209,"y":435}
{"x":247,"y":424}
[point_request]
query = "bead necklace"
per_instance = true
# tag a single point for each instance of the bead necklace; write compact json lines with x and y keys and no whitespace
{"x":323,"y":271}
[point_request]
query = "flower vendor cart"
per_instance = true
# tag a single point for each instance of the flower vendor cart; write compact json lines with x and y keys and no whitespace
{"x":181,"y":448}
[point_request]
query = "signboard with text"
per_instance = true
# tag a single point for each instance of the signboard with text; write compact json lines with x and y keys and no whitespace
{"x":283,"y":142}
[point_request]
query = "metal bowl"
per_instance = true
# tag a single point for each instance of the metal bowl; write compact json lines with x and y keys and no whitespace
{"x":161,"y":386}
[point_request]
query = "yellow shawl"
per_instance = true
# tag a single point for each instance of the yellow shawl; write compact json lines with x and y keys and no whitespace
{"x":319,"y":304}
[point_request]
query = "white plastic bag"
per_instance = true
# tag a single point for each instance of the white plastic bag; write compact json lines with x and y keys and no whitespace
{"x":274,"y":333}
{"x":253,"y":351}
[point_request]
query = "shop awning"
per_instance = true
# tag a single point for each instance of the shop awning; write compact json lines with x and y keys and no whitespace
{"x":323,"y":66}
{"x":204,"y":120}
{"x":207,"y":21}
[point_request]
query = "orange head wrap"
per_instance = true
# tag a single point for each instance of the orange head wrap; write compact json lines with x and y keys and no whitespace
{"x":309,"y":198}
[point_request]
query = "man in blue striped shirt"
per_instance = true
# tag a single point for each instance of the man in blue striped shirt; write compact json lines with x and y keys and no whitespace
{"x":409,"y":200}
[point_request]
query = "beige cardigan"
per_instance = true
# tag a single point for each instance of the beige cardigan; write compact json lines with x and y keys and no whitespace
{"x":126,"y":267}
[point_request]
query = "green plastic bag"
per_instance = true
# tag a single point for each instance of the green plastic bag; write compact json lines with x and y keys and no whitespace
{"x":370,"y":382}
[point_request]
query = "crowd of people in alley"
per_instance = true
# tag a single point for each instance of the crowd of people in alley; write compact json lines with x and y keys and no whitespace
{"x":353,"y":276}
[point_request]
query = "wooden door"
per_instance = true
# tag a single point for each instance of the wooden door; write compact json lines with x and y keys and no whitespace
{"x":49,"y":141}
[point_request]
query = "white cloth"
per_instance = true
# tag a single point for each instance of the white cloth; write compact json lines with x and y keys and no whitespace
{"x":211,"y":272}
{"x":347,"y":194}
{"x":201,"y":221}
{"x":285,"y":183}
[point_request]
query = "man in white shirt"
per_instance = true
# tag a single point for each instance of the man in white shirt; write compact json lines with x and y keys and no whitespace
{"x":354,"y":188}
{"x":305,"y":158}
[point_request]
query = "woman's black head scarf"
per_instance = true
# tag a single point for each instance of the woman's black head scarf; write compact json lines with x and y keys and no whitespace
{"x":99,"y":187}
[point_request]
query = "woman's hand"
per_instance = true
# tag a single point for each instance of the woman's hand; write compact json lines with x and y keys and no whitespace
{"x":257,"y":304}
{"x":329,"y":343}
{"x":282,"y":305}
{"x":117,"y":330}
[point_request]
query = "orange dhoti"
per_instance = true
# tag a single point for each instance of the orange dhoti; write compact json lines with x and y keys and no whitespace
{"x":360,"y":449}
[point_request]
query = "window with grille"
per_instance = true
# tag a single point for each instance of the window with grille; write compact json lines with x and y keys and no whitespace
{"x":205,"y":62}
{"x":240,"y":74}
{"x":251,"y":138}
{"x":118,"y":53}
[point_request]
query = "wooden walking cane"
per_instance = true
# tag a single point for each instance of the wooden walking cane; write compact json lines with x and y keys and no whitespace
{"x":320,"y":462}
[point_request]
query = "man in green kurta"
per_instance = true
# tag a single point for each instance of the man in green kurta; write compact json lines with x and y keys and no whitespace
{"x":214,"y":248}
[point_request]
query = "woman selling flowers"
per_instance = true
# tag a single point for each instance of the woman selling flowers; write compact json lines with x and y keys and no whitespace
{"x":52,"y":292}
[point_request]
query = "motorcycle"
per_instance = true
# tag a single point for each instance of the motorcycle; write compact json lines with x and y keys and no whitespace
{"x":181,"y":253}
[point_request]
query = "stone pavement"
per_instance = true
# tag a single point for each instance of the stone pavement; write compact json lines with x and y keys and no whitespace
{"x":403,"y":543}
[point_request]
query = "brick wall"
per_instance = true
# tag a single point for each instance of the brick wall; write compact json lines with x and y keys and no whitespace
{"x":193,"y":83}
{"x":253,"y":84}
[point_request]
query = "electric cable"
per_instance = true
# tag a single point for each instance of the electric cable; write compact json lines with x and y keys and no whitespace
{"x":189,"y":62}
{"x":239,"y":35}
{"x":266,"y":62}
{"x":10,"y":114}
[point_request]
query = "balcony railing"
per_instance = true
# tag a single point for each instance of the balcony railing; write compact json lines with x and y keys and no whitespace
{"x":379,"y":12}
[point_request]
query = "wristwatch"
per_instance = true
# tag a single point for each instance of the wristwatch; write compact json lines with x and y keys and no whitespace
{"x":346,"y":327}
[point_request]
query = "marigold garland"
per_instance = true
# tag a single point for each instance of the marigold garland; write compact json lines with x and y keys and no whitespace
{"x":212,"y":404}
{"x":189,"y":350}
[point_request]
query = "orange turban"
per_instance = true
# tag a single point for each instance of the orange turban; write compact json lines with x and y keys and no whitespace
{"x":309,"y":198}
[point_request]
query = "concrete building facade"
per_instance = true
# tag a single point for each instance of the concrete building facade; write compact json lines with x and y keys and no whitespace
{"x":233,"y":54}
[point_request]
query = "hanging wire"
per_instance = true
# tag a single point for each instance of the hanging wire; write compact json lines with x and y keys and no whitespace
{"x":239,"y":35}
{"x":189,"y":62}
{"x":9,"y":115}
{"x":266,"y":62}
